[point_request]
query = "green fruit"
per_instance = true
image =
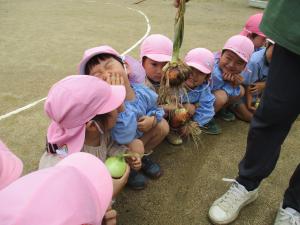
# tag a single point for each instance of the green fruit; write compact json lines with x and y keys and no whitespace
{"x":116,"y":165}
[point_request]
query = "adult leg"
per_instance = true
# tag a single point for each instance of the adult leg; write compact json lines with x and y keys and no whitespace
{"x":272,"y":120}
{"x":292,"y":194}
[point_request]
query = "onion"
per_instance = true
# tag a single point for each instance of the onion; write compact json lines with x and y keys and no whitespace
{"x":116,"y":165}
{"x":179,"y":117}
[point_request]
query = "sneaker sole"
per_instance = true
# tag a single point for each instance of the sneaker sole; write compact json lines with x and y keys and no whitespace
{"x":236,"y":214}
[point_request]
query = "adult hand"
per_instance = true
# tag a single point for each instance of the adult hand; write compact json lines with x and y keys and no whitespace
{"x":176,"y":3}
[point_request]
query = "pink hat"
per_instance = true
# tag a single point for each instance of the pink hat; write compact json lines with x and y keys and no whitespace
{"x":11,"y":166}
{"x":252,"y":25}
{"x":75,"y":100}
{"x":240,"y":45}
{"x":78,"y":190}
{"x":90,"y":53}
{"x":157,"y":47}
{"x":200,"y":58}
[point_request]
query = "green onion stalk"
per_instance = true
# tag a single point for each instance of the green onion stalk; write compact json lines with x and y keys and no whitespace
{"x":175,"y":71}
{"x":172,"y":90}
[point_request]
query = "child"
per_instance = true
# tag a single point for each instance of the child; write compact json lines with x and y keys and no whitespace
{"x":254,"y":82}
{"x":252,"y":31}
{"x":141,"y":126}
{"x":155,"y":52}
{"x":201,"y":61}
{"x":78,"y":107}
{"x":226,"y":78}
{"x":78,"y":190}
{"x":11,"y":166}
{"x":199,"y":101}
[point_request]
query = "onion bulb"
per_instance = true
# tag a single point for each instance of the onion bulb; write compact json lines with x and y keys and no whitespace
{"x":116,"y":166}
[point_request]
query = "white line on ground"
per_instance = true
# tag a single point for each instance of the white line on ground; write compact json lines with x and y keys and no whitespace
{"x":124,"y":53}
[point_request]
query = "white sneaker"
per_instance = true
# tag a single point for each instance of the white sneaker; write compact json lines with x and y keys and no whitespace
{"x":287,"y":216}
{"x":226,"y":208}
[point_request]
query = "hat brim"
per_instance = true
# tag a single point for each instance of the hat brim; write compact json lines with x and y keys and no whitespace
{"x":95,"y":171}
{"x":199,"y":67}
{"x":159,"y":57}
{"x":237,"y":53}
{"x":116,"y":98}
{"x":83,"y":62}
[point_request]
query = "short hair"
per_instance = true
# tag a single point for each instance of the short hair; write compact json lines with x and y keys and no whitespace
{"x":95,"y":61}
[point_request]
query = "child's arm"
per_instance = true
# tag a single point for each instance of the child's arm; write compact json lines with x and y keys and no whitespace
{"x":249,"y":98}
{"x":205,"y":110}
{"x":258,"y":87}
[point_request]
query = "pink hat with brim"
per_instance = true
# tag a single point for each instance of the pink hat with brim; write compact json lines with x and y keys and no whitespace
{"x":252,"y":25}
{"x":240,"y":45}
{"x":74,"y":101}
{"x":201,"y":59}
{"x":87,"y":164}
{"x":59,"y":195}
{"x":90,"y":53}
{"x":157,"y":47}
{"x":11,"y":166}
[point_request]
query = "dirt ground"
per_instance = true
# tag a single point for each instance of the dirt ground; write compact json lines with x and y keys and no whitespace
{"x":42,"y":42}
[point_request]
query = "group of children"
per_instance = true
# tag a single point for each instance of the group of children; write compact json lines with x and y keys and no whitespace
{"x":110,"y":108}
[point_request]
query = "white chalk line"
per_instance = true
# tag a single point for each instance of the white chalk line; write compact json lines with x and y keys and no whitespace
{"x":124,"y":53}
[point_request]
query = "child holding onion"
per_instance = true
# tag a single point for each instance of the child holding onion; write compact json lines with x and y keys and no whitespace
{"x":82,"y":110}
{"x":226,"y":74}
{"x":198,"y":102}
{"x":141,"y":126}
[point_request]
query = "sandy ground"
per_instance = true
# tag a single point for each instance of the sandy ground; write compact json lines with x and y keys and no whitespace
{"x":42,"y":42}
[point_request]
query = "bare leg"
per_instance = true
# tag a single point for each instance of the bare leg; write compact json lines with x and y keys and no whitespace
{"x":155,"y":136}
{"x":221,"y":99}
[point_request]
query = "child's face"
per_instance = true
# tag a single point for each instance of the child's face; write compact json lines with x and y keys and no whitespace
{"x":106,"y":68}
{"x":231,"y":63}
{"x":153,"y":69}
{"x":259,"y":41}
{"x":269,"y":53}
{"x":196,"y":78}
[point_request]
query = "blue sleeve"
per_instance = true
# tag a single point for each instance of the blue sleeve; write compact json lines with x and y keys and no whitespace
{"x":250,"y":74}
{"x":150,"y":100}
{"x":125,"y":129}
{"x":205,"y":111}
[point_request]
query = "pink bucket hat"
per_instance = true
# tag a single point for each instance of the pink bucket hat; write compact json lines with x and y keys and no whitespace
{"x":240,"y":45}
{"x":90,"y":53}
{"x":252,"y":25}
{"x":200,"y":58}
{"x":78,"y":190}
{"x":157,"y":47}
{"x":75,"y":100}
{"x":11,"y":166}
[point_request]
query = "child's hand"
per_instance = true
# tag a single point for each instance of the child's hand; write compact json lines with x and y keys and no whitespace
{"x":115,"y":79}
{"x":257,"y":88}
{"x":145,"y":123}
{"x":168,"y":107}
{"x":135,"y":162}
{"x":238,"y":80}
{"x":119,"y":183}
{"x":228,"y":77}
{"x":191,"y":108}
{"x":110,"y":217}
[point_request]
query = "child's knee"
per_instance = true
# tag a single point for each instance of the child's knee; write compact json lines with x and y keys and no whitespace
{"x":221,"y":99}
{"x":162,"y":128}
{"x":136,"y":146}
